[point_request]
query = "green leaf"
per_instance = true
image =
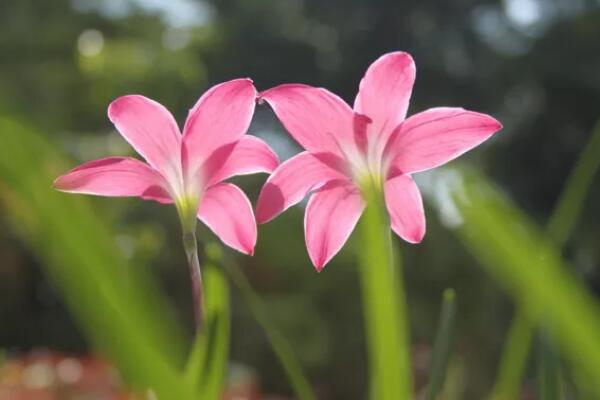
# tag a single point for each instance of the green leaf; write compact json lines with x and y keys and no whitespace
{"x":218,"y":332}
{"x":527,"y":264}
{"x":443,"y":344}
{"x":514,"y":357}
{"x":561,"y":224}
{"x":118,"y":306}
{"x":281,"y":347}
{"x":549,"y":379}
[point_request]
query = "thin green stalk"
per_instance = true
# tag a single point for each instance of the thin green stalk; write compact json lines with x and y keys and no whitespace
{"x":514,"y":358}
{"x":549,"y":370}
{"x":561,"y":223}
{"x":384,"y":305}
{"x":443,"y":344}
{"x":279,"y":344}
{"x":570,"y":203}
{"x":190,"y":244}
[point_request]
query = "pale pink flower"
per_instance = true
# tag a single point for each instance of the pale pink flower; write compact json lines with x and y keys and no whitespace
{"x":186,"y":169}
{"x":345,"y":147}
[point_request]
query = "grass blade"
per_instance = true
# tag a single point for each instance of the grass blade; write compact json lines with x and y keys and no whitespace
{"x":549,"y":370}
{"x":570,"y":203}
{"x":443,"y":344}
{"x":219,"y":327}
{"x":561,"y":224}
{"x":282,"y":349}
{"x":521,"y":258}
{"x":118,"y":307}
{"x":514,"y":357}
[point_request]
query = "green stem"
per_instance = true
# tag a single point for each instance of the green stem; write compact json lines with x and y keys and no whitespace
{"x":561,"y":224}
{"x":384,"y":305}
{"x":190,"y":244}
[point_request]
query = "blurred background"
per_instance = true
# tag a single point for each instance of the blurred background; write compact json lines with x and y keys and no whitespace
{"x":533,"y":64}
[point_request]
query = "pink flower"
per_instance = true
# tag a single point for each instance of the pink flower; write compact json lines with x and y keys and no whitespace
{"x":187,"y":169}
{"x":373,"y":142}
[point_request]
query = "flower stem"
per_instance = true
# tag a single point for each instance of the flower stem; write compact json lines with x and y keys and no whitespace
{"x":384,"y":305}
{"x":190,"y":244}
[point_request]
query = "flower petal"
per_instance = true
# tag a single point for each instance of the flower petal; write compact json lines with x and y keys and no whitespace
{"x":151,"y":130}
{"x":330,"y":218}
{"x":405,"y":206}
{"x":317,"y":119}
{"x":293,"y":179}
{"x":384,"y":94}
{"x":221,"y":116}
{"x":435,"y":136}
{"x":115,"y":176}
{"x":226,"y":210}
{"x":248,"y":155}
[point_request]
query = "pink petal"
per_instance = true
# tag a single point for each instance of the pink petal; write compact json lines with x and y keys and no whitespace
{"x":248,"y":155}
{"x":331,"y":215}
{"x":220,"y":117}
{"x":405,"y":206}
{"x":317,"y":119}
{"x":151,"y":130}
{"x":384,"y":94}
{"x":292,"y":180}
{"x":438,"y":135}
{"x":226,"y":210}
{"x":115,"y":176}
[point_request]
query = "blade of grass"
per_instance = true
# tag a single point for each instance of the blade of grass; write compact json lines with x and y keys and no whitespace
{"x":561,"y":223}
{"x":570,"y":203}
{"x":281,"y":347}
{"x":514,"y":357}
{"x":518,"y":254}
{"x":218,"y":332}
{"x":384,"y":305}
{"x":549,"y":372}
{"x":118,"y":307}
{"x":207,"y":363}
{"x":442,"y":345}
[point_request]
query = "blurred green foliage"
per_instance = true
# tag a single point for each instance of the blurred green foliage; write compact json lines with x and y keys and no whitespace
{"x":64,"y":61}
{"x":116,"y":304}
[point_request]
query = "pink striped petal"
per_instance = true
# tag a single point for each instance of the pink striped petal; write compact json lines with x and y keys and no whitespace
{"x":434,"y":137}
{"x":248,"y":155}
{"x":226,"y":210}
{"x":384,"y":94}
{"x":151,"y":130}
{"x":317,"y":119}
{"x":115,"y":176}
{"x":292,"y":181}
{"x":220,"y":117}
{"x":405,"y":206}
{"x":331,"y":215}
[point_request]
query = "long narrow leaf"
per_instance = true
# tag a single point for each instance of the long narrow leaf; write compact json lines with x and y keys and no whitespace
{"x":443,"y":344}
{"x":281,"y":347}
{"x":561,"y":224}
{"x":517,"y":253}
{"x":117,"y":306}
